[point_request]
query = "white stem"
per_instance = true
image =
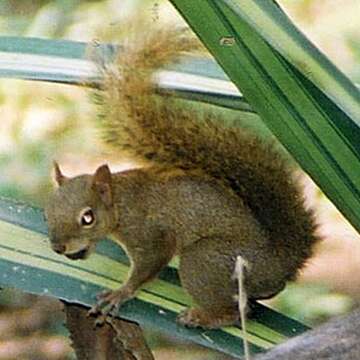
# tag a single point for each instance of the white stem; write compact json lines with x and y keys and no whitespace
{"x":239,"y":271}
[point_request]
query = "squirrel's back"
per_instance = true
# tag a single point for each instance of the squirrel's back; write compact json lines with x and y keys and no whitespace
{"x":165,"y":133}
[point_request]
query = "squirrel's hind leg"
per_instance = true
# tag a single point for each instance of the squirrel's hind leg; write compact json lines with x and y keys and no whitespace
{"x":207,"y":273}
{"x":197,"y":317}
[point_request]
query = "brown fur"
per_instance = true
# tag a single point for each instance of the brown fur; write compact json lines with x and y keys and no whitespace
{"x":208,"y":193}
{"x":147,"y":127}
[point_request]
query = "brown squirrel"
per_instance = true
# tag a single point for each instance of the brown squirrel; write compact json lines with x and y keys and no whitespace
{"x":205,"y":192}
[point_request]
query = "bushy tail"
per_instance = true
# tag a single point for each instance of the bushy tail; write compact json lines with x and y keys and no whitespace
{"x":158,"y":129}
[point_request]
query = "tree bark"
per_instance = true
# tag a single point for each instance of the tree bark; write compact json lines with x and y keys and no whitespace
{"x":338,"y":339}
{"x":115,"y":340}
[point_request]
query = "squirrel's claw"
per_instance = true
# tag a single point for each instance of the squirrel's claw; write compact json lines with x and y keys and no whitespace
{"x":103,"y":295}
{"x":108,"y":304}
{"x":100,"y":320}
{"x":95,"y":310}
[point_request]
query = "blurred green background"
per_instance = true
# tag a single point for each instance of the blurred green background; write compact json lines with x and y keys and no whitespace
{"x":41,"y":122}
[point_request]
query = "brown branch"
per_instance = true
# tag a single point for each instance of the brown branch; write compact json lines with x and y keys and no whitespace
{"x":115,"y":340}
{"x":335,"y":340}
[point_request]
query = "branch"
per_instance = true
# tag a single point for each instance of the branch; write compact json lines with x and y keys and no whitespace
{"x":337,"y":339}
{"x":119,"y":339}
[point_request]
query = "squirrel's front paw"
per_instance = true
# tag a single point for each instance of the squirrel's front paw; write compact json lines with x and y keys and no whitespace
{"x":108,"y":304}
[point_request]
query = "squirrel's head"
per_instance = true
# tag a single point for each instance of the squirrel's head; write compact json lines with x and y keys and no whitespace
{"x":80,"y":212}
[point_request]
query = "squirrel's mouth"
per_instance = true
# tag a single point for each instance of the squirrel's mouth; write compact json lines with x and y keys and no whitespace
{"x":82,"y":254}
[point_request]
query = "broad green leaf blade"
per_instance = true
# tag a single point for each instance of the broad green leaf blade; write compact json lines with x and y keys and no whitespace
{"x":47,"y":60}
{"x":68,"y":62}
{"x":307,"y":61}
{"x":27,"y":263}
{"x":312,"y":127}
{"x":267,"y":18}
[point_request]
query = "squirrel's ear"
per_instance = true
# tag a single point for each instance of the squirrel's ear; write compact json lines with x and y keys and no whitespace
{"x":102,"y":184}
{"x":58,"y":176}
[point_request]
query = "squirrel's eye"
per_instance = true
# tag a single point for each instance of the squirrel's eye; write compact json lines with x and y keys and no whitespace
{"x":87,"y":218}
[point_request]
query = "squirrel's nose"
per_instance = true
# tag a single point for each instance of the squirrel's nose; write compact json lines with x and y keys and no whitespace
{"x":59,"y":248}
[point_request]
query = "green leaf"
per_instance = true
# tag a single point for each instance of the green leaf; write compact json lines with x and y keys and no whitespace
{"x":68,"y":62}
{"x":28,"y":263}
{"x":320,"y":131}
{"x":267,"y":18}
{"x":310,"y":106}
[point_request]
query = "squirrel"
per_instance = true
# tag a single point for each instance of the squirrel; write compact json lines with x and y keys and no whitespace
{"x":205,"y":191}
